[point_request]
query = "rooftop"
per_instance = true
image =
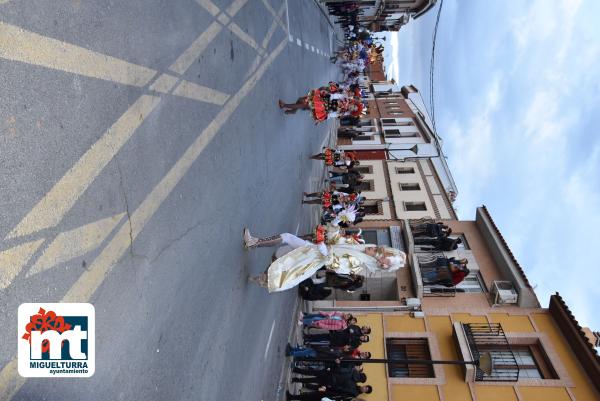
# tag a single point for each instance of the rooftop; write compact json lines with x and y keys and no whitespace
{"x":575,"y":336}
{"x":505,"y":259}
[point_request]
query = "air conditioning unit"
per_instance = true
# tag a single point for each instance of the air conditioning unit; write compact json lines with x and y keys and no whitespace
{"x":413,"y":302}
{"x":503,"y":292}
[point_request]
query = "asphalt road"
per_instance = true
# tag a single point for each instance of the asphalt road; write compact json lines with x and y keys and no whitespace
{"x":137,"y":139}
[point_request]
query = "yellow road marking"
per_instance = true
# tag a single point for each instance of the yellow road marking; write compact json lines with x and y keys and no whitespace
{"x":18,"y":44}
{"x":265,"y":44}
{"x":235,"y":7}
{"x":50,"y":210}
{"x":276,"y":15}
{"x":74,"y":243}
{"x":188,"y":57}
{"x":10,"y":380}
{"x":223,"y":19}
{"x":87,"y":284}
{"x":201,"y":93}
{"x":209,"y":6}
{"x":243,"y":36}
{"x":273,"y":26}
{"x":90,"y":280}
{"x":12,"y":261}
{"x":253,"y":66}
{"x":164,"y":83}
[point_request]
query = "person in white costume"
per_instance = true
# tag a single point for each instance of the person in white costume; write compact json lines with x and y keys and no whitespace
{"x":306,"y":258}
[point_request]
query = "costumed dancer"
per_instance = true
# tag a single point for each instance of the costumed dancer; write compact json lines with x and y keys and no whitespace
{"x":325,"y":102}
{"x":333,"y":235}
{"x":306,"y":258}
{"x":337,"y":158}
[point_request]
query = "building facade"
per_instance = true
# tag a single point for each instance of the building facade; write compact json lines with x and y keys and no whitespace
{"x":535,"y":353}
{"x":389,"y":15}
{"x":538,"y":354}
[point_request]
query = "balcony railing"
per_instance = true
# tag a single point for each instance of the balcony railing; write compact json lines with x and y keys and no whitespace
{"x":414,"y":223}
{"x":490,"y":338}
{"x":428,"y":266}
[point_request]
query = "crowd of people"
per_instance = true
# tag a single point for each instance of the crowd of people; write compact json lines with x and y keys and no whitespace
{"x":330,"y":248}
{"x":329,"y":363}
{"x":344,"y":98}
{"x":442,"y":271}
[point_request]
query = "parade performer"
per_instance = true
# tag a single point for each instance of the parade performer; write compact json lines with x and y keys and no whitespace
{"x":333,"y":235}
{"x":306,"y":258}
{"x":337,"y":158}
{"x":325,"y":102}
{"x":331,"y":199}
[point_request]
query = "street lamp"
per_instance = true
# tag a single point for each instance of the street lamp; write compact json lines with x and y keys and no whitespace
{"x":414,"y":149}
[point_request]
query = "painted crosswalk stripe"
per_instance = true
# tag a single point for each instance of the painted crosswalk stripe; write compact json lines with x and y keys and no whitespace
{"x":209,"y":6}
{"x":201,"y":93}
{"x":273,"y":26}
{"x":187,"y":58}
{"x":235,"y":7}
{"x":91,"y":279}
{"x":264,"y":45}
{"x":77,"y":242}
{"x":17,"y":44}
{"x":164,"y":83}
{"x":276,"y":15}
{"x":14,"y":259}
{"x":243,"y":36}
{"x":51,"y":209}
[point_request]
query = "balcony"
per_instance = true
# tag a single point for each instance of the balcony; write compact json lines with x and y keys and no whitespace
{"x":474,"y":340}
{"x":428,"y":266}
{"x":423,"y":263}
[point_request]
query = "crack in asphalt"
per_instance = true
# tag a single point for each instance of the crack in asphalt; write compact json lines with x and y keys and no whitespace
{"x":122,"y":186}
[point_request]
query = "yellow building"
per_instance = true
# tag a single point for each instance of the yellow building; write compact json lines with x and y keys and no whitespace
{"x":538,"y":354}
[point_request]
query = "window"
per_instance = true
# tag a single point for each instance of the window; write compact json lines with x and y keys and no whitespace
{"x":390,"y":122}
{"x":396,"y":133}
{"x":471,"y":283}
{"x":363,"y":138}
{"x":410,"y":186}
{"x":405,"y":170}
{"x":532,"y":361}
{"x":370,"y":236}
{"x":414,"y":206}
{"x":366,"y":185}
{"x":365,"y":123}
{"x":372,"y":207}
{"x":408,"y":348}
{"x":364,"y":169}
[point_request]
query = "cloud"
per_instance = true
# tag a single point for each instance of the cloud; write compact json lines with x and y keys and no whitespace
{"x":562,"y":262}
{"x":545,"y":120}
{"x":517,"y":101}
{"x":473,"y":142}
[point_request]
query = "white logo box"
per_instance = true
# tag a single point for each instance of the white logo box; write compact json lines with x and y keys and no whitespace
{"x":29,"y":367}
